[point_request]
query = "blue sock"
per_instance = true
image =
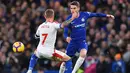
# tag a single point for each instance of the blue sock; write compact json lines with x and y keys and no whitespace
{"x":68,"y":66}
{"x":32,"y":62}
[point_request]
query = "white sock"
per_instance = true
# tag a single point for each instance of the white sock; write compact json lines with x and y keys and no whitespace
{"x":29,"y":71}
{"x":62,"y":68}
{"x":78,"y":64}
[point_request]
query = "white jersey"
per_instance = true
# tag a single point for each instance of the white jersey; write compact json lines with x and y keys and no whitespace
{"x":47,"y":32}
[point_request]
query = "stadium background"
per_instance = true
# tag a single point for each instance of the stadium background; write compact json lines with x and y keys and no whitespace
{"x":19,"y":20}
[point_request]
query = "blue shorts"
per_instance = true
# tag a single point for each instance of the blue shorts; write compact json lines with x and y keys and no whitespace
{"x":76,"y":46}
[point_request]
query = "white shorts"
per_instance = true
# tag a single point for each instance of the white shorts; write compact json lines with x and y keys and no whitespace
{"x":49,"y":53}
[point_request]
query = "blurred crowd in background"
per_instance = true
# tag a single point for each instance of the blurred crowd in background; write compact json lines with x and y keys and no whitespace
{"x":109,"y":40}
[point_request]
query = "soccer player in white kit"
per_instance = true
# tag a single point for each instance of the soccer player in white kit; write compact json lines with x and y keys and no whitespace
{"x":47,"y":32}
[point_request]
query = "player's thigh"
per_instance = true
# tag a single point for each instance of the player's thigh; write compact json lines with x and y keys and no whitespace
{"x":71,"y":50}
{"x":44,"y":53}
{"x":60,"y":56}
{"x":83,"y":48}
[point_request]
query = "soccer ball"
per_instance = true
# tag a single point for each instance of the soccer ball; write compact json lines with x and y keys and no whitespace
{"x":18,"y":47}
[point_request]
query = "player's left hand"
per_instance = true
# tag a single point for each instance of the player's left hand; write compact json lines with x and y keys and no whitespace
{"x":110,"y":16}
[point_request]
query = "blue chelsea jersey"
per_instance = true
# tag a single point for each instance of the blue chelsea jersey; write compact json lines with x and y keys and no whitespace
{"x":78,"y":25}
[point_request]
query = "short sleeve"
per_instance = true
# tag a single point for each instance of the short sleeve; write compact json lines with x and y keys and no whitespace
{"x":57,"y":25}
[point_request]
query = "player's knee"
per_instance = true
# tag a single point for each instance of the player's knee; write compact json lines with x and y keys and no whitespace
{"x":83,"y":53}
{"x":66,"y":58}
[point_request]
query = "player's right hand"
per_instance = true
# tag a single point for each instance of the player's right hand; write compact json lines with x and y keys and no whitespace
{"x":110,"y":16}
{"x":74,"y":15}
{"x":68,"y":39}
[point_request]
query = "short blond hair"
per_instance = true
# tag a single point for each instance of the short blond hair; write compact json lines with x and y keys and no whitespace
{"x":49,"y":13}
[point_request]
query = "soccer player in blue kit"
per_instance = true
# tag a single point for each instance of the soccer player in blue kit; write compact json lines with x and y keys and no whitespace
{"x":77,"y":39}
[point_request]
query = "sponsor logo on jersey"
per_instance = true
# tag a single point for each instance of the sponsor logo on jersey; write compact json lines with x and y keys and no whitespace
{"x":80,"y":25}
{"x":82,"y":19}
{"x":45,"y":26}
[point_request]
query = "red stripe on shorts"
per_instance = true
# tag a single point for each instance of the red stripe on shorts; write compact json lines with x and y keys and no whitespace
{"x":57,"y":55}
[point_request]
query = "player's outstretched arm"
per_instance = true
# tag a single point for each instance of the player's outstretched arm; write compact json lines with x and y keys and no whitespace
{"x":67,"y":22}
{"x":99,"y":15}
